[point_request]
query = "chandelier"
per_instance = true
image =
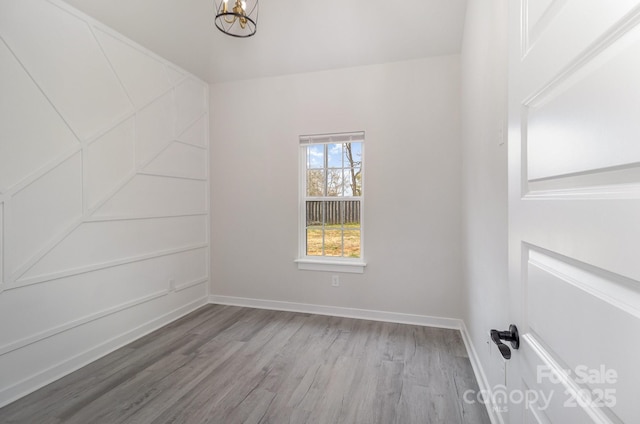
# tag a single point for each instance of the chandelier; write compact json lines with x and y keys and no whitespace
{"x":241,"y":20}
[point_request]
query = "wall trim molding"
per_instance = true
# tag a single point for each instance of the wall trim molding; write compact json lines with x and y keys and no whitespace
{"x":21,"y":270}
{"x":338,"y":311}
{"x":142,"y":217}
{"x":43,"y":170}
{"x":186,"y":143}
{"x":49,"y":375}
{"x":104,"y":265}
{"x":481,"y":377}
{"x":186,"y":285}
{"x":50,"y":332}
{"x":174,"y":176}
{"x":92,"y":29}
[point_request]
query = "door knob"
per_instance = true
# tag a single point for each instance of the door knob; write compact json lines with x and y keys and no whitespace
{"x":511,"y":336}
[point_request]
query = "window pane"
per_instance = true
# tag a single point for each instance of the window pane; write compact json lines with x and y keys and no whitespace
{"x":333,"y":214}
{"x":315,"y":157}
{"x":352,"y":214}
{"x":314,"y":241}
{"x":333,"y":242}
{"x":314,"y":213}
{"x":334,"y":153}
{"x":353,"y":182}
{"x":335,"y":181}
{"x":352,"y":155}
{"x":315,"y":182}
{"x":352,"y":243}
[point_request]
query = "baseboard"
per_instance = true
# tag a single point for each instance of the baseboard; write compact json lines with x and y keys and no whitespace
{"x":481,"y":377}
{"x":338,"y":311}
{"x":47,"y":376}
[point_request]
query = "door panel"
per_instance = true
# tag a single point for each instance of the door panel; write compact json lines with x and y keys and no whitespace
{"x":592,"y":109}
{"x":564,"y":33}
{"x":605,"y":311}
{"x":574,"y":210}
{"x":549,"y":402}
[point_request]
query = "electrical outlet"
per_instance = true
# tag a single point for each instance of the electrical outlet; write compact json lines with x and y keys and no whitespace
{"x":335,"y":280}
{"x":172,"y":284}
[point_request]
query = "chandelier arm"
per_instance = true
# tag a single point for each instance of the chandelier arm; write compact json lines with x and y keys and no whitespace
{"x":237,"y":22}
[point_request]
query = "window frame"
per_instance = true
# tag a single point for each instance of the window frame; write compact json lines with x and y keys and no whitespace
{"x":328,"y":263}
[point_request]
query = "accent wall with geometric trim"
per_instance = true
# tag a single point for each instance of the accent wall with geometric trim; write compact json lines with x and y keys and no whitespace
{"x":104,"y":208}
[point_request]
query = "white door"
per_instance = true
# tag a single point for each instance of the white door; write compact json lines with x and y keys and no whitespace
{"x":574,"y":199}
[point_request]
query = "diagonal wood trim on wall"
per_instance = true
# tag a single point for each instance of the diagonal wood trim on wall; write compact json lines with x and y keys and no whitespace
{"x":104,"y":209}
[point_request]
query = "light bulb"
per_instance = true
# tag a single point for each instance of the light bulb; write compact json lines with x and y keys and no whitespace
{"x":244,"y":5}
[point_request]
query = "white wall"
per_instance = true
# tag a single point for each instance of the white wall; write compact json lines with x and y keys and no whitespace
{"x":103,"y":192}
{"x":484,"y":155}
{"x":410,"y":112}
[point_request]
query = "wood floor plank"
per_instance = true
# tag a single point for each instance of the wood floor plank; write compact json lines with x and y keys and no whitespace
{"x":37,"y":406}
{"x":172,"y":390}
{"x":226,"y":364}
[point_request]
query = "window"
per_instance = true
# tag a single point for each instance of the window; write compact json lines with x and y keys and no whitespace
{"x":331,"y":202}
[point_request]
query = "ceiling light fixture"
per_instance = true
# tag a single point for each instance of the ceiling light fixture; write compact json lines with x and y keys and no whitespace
{"x":241,"y":21}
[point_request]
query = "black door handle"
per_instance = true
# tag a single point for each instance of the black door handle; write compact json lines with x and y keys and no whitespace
{"x":511,"y":336}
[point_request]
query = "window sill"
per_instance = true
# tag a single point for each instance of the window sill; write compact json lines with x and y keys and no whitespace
{"x":354,"y":267}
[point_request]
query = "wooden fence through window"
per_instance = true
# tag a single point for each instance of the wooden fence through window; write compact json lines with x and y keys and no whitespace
{"x":333,"y":212}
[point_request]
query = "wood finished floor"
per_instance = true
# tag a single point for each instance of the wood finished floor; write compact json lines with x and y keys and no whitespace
{"x":227,"y":365}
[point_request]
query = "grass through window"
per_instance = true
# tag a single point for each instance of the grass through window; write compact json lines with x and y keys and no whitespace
{"x":333,"y":240}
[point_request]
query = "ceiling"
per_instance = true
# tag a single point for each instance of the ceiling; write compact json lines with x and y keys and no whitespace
{"x":293,"y":35}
